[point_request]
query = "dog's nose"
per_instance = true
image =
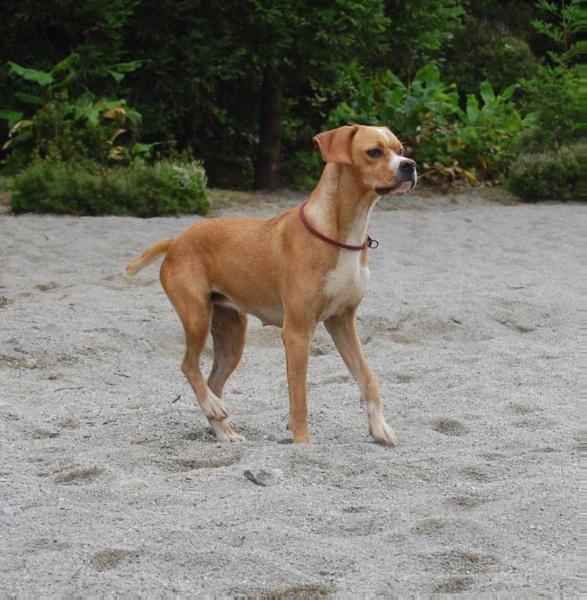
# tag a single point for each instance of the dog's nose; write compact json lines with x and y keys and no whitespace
{"x":407,"y":166}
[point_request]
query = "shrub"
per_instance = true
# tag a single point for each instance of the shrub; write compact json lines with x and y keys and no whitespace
{"x":446,"y":141}
{"x":550,"y":175}
{"x":51,"y":119}
{"x":554,"y":95}
{"x":166,"y":188}
{"x":493,"y":56}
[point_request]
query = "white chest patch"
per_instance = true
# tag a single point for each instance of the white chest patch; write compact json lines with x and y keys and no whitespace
{"x":346,"y":283}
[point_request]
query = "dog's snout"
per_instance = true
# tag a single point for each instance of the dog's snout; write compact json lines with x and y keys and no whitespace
{"x":407,"y":166}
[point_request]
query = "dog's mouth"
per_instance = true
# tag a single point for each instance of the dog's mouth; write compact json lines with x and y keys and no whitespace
{"x":400,"y":188}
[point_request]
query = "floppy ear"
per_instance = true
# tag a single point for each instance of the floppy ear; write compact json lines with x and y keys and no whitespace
{"x":335,"y":145}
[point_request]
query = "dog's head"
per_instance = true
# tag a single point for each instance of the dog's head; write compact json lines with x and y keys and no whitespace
{"x":376,"y":155}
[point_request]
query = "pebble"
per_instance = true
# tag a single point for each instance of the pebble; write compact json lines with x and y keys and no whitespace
{"x":264,"y":477}
{"x":8,"y":511}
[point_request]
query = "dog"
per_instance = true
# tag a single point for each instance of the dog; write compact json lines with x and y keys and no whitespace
{"x":304,"y":266}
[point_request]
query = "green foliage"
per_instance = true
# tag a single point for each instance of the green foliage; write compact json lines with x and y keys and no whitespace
{"x":561,"y":23}
{"x":203,"y":65}
{"x":548,"y":165}
{"x":417,"y":32}
{"x":494,"y":56}
{"x":166,"y":188}
{"x":554,"y":95}
{"x":85,"y":127}
{"x":444,"y":139}
{"x":550,"y":175}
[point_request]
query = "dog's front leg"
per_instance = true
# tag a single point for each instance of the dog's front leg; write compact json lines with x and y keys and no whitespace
{"x":344,"y":334}
{"x":296,"y":338}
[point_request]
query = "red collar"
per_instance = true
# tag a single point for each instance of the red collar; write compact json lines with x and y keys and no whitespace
{"x":368,"y":243}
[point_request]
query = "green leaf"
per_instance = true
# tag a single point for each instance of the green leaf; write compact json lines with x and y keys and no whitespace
{"x":128,"y":67}
{"x":487,"y":92}
{"x":429,"y":73}
{"x":530,"y":119}
{"x":29,"y":98}
{"x":11,"y":116}
{"x":40,"y":77}
{"x":143,"y":150}
{"x":66,"y":63}
{"x":18,"y":140}
{"x":472,"y":108}
{"x":118,"y":77}
{"x":71,"y":77}
{"x":509,"y":91}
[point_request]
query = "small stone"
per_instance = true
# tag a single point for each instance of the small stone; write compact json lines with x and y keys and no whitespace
{"x":31,"y":363}
{"x":264,"y":477}
{"x":8,"y":511}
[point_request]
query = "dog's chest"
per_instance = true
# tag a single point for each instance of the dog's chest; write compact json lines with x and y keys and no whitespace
{"x":346,"y":283}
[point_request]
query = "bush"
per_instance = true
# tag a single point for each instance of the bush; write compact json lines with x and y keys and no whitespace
{"x":50,"y":121}
{"x":145,"y":191}
{"x":446,"y":141}
{"x":550,"y":175}
{"x":490,"y":55}
{"x":554,"y":95}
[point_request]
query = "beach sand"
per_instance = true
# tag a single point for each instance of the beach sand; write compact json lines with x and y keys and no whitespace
{"x":112,"y":483}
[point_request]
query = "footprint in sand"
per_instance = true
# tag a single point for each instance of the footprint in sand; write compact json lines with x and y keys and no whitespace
{"x":190,"y":464}
{"x":475,"y":474}
{"x":454,"y":585}
{"x":79,"y":476}
{"x":450,"y":427}
{"x":45,"y":287}
{"x":112,"y":558}
{"x":465,"y":501}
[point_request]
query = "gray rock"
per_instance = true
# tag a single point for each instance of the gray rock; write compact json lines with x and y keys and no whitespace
{"x":8,"y":511}
{"x":264,"y":477}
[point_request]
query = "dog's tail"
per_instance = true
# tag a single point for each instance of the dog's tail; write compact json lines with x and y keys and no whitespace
{"x":147,"y":257}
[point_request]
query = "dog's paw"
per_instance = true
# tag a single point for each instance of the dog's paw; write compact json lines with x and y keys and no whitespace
{"x":213,"y":407}
{"x":302,"y":438}
{"x":382,"y":432}
{"x":225,"y":433}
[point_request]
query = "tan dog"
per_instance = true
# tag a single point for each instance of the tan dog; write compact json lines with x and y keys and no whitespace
{"x":279,"y":270}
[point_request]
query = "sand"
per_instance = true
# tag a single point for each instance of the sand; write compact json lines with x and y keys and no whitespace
{"x":111,"y":482}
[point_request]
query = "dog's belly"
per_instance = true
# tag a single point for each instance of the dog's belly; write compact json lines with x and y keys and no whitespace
{"x":345,"y":284}
{"x":268,"y":315}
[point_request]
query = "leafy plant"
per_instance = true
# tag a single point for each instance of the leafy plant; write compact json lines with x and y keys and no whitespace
{"x":418,"y":31}
{"x":561,"y":25}
{"x":51,"y":185}
{"x":85,"y":126}
{"x":496,"y":56}
{"x":446,"y":140}
{"x":550,"y":175}
{"x":554,"y":92}
{"x":550,"y":163}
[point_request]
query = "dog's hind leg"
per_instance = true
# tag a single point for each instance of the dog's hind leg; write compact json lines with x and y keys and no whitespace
{"x":194,"y":308}
{"x":229,"y":330}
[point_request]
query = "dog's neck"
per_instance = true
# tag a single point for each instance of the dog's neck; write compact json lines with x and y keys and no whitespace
{"x":340,"y":205}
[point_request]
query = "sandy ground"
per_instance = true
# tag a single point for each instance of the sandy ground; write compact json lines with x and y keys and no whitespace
{"x":111,"y":482}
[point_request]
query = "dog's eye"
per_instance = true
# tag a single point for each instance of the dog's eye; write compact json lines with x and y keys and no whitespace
{"x":402,"y":152}
{"x":375,"y":153}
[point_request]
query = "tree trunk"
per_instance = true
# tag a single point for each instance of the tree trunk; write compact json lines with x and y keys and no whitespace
{"x":268,"y":156}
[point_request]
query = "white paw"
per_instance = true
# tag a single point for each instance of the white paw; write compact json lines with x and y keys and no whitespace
{"x":225,"y":433}
{"x":381,"y":431}
{"x":213,"y":407}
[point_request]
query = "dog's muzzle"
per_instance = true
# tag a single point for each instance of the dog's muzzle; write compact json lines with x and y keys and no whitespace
{"x":406,"y":179}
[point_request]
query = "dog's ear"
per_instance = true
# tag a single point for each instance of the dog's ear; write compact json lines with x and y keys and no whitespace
{"x":335,"y":145}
